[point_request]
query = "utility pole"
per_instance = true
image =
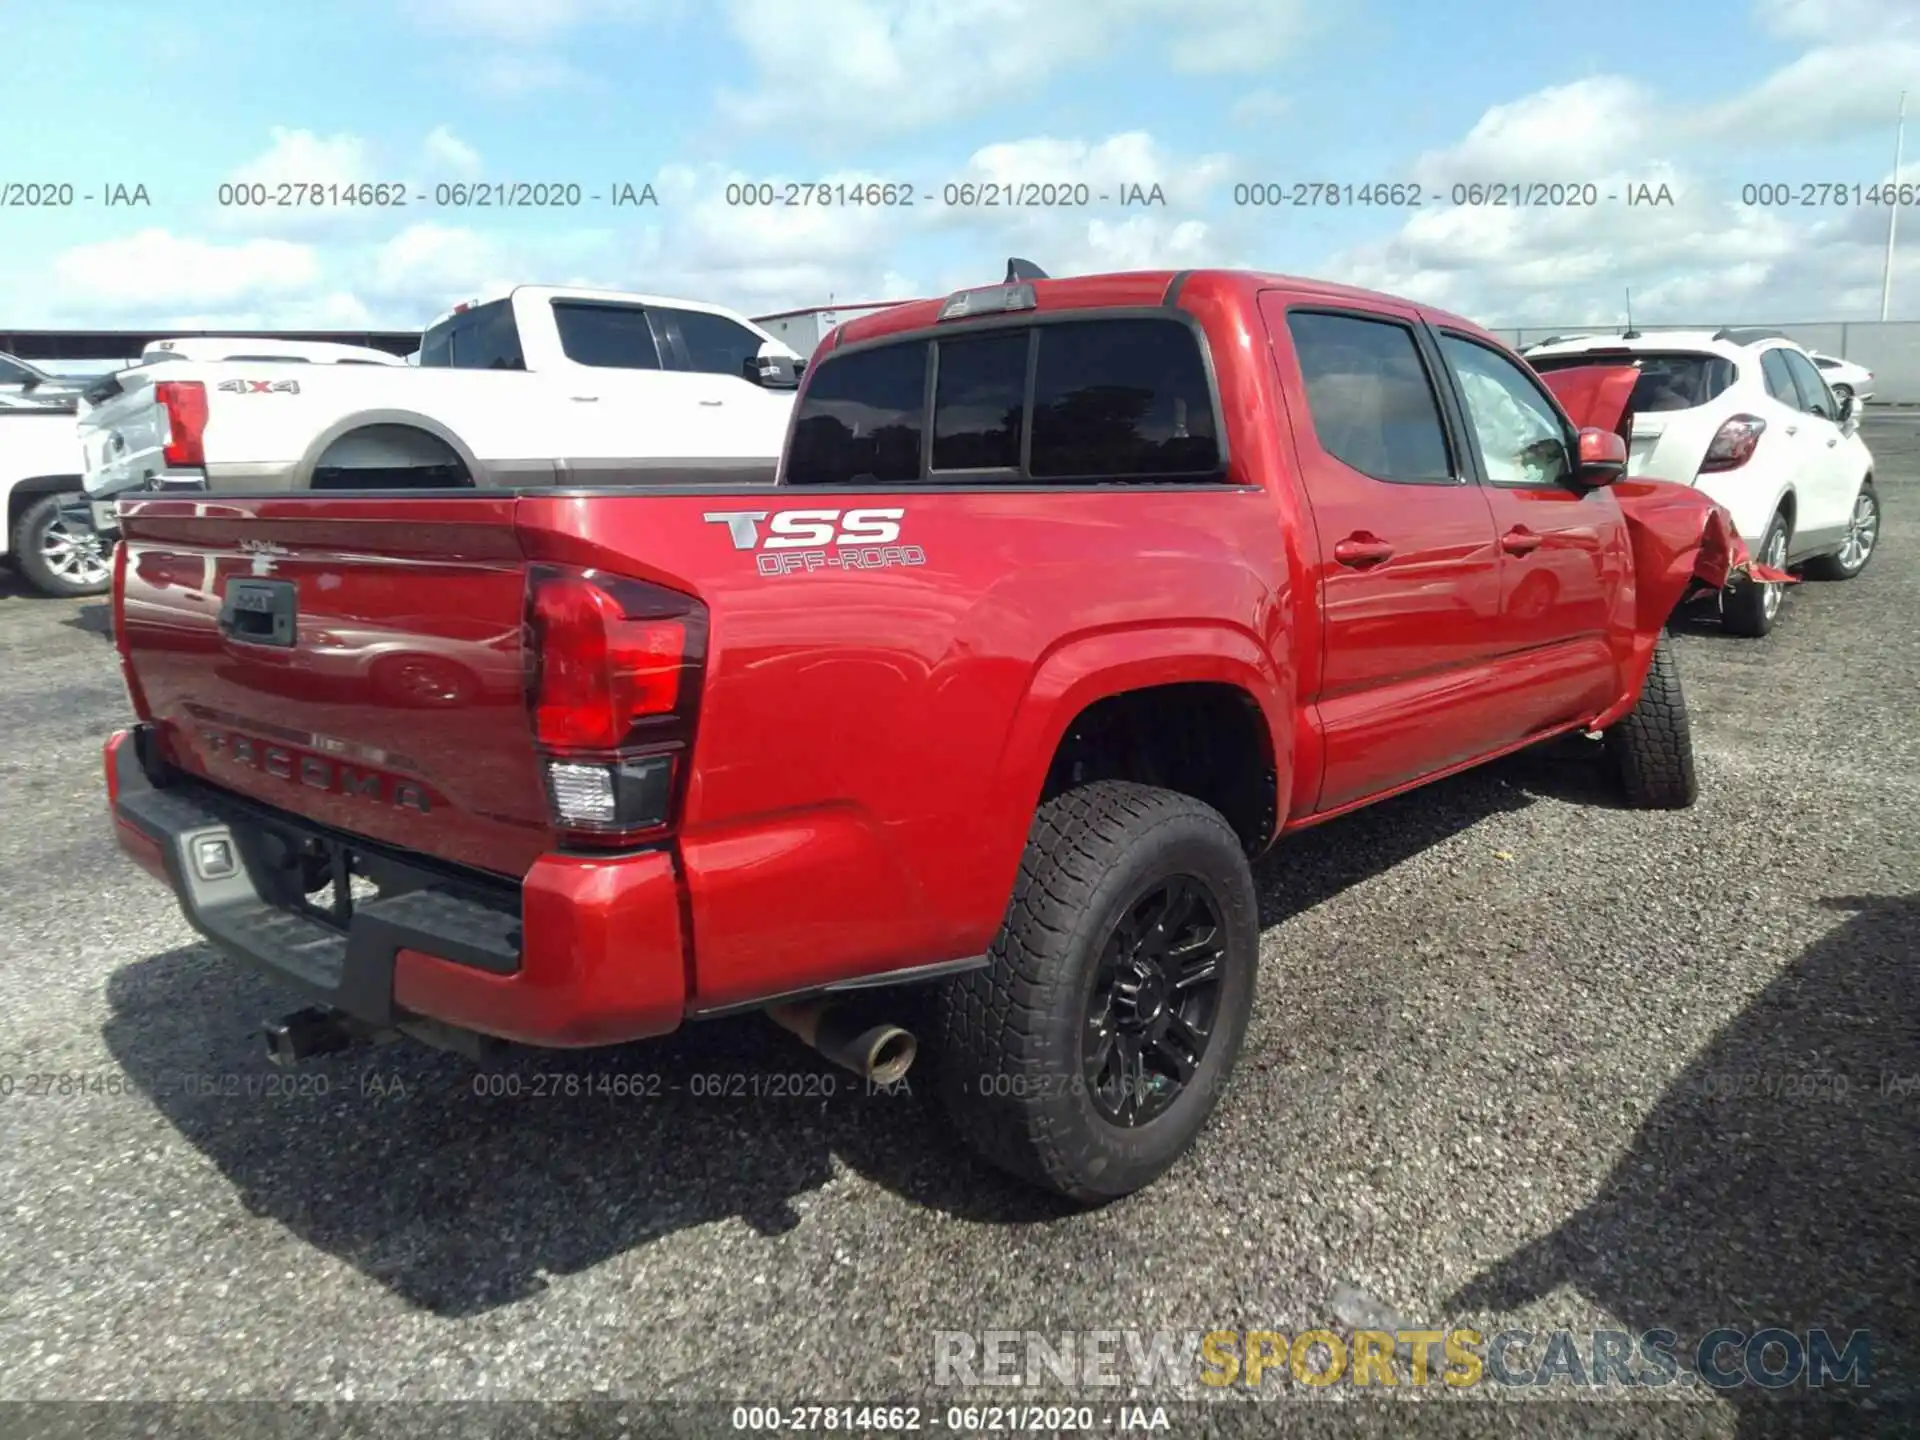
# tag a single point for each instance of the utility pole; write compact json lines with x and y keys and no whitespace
{"x":1893,"y":211}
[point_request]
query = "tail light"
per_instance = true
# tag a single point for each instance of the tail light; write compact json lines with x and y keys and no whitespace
{"x":185,"y":402}
{"x":614,"y":671}
{"x":1733,"y":443}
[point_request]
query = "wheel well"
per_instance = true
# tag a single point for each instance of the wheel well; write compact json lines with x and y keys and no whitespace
{"x":26,"y":492}
{"x":389,"y":456}
{"x":1207,"y":740}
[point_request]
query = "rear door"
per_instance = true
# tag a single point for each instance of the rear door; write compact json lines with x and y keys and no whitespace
{"x":632,"y":412}
{"x":1565,"y":555}
{"x":1408,"y":576}
{"x":1826,"y":502}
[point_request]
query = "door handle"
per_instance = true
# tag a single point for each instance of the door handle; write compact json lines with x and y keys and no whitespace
{"x":1793,"y":429}
{"x":713,"y":402}
{"x":1833,"y":442}
{"x":1519,"y":541}
{"x":584,"y":398}
{"x":1362,"y":549}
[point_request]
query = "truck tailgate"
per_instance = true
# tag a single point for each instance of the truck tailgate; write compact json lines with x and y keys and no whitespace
{"x":358,"y":663}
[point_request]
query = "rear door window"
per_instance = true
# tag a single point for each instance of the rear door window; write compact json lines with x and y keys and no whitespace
{"x":860,"y":422}
{"x":1779,"y":379}
{"x":1816,"y":399}
{"x":616,"y":337}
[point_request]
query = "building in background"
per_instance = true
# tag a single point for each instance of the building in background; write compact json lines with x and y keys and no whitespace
{"x":803,"y":330}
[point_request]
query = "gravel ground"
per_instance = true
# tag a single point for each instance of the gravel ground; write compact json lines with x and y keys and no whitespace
{"x":1520,"y":1059}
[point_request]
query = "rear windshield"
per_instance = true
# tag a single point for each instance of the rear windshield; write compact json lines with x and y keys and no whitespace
{"x":1072,"y":401}
{"x":1669,"y":380}
{"x":483,"y":338}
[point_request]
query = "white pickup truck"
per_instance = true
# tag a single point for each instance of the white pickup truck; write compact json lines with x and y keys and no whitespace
{"x":539,"y":386}
{"x":49,"y":536}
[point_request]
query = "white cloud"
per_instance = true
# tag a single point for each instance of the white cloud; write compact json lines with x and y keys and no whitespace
{"x":510,"y":76}
{"x":158,"y":276}
{"x":1259,"y":107}
{"x":1830,"y":93}
{"x":447,"y":154}
{"x":899,"y":65}
{"x":1824,"y":20}
{"x":297,"y":155}
{"x":522,"y":21}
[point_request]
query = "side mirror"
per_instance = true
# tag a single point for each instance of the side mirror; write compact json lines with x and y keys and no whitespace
{"x":1603,"y":458}
{"x":772,"y":370}
{"x":1849,"y":409}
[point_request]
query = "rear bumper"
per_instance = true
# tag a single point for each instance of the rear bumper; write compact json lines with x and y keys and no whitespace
{"x":584,"y":951}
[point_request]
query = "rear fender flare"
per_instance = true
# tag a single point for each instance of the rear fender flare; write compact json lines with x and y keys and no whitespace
{"x":1091,"y":667}
{"x":366,"y":419}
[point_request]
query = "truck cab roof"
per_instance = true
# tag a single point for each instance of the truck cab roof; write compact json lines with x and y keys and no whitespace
{"x":1191,"y":290}
{"x":568,"y":292}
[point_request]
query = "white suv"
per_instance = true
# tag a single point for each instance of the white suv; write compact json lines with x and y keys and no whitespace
{"x":1747,"y":418}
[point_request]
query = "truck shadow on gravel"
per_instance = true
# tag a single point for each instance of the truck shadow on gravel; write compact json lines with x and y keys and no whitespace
{"x":461,"y":1189}
{"x":1774,"y":1184}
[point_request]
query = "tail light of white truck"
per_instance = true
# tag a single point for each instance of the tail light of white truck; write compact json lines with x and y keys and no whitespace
{"x":1733,"y":444}
{"x":614,"y":674}
{"x":185,"y":402}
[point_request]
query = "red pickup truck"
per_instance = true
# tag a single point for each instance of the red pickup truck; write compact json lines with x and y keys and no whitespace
{"x":1071,"y":598}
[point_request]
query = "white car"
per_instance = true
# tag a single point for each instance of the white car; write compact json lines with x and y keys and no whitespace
{"x":39,"y":468}
{"x":1844,"y":377}
{"x":538,"y":386}
{"x":1747,"y":418}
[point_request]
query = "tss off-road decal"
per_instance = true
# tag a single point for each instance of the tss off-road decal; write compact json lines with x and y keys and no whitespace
{"x":802,"y":541}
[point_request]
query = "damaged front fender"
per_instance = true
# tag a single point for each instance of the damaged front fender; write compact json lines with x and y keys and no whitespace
{"x":1684,"y":546}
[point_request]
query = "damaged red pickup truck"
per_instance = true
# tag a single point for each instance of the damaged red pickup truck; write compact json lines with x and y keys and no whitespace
{"x":1073,"y":596}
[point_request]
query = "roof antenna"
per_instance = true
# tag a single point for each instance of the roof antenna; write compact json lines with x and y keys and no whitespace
{"x":1018,"y":269}
{"x":1629,"y":333}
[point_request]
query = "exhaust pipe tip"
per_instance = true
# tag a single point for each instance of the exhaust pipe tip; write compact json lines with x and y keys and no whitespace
{"x":880,"y":1054}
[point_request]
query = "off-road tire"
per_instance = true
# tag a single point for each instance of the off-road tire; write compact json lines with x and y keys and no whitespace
{"x":29,"y":532}
{"x":1008,"y":1039}
{"x":1651,"y":749}
{"x":1743,"y":609}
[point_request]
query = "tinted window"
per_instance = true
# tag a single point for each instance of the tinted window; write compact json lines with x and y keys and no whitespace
{"x":1779,"y":379}
{"x":1826,"y":362}
{"x":13,"y":374}
{"x":1818,"y":400}
{"x":615,"y":336}
{"x":487,"y":339}
{"x":715,"y":344}
{"x":1677,"y":381}
{"x":1370,"y":397}
{"x":859,"y":420}
{"x":979,"y":400}
{"x":1122,"y":397}
{"x":436,"y":346}
{"x":1523,"y":439}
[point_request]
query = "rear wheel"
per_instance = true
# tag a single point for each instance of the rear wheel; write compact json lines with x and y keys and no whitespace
{"x":1088,"y":1053}
{"x":1843,"y":393}
{"x":57,"y":558}
{"x":1751,"y":606}
{"x":1863,"y":532}
{"x":1652,"y":748}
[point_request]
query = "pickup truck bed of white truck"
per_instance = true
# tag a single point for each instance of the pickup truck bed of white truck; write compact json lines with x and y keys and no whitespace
{"x":539,"y":386}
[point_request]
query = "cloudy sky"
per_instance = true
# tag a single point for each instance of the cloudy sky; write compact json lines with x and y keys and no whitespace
{"x":1201,"y":98}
